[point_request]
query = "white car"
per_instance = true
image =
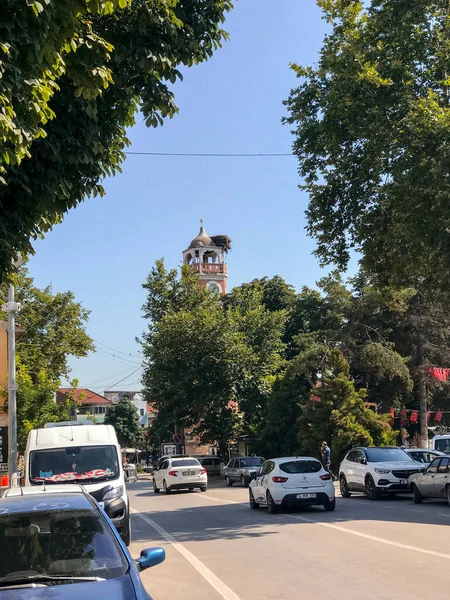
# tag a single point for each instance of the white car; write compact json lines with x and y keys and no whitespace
{"x":292,"y":481}
{"x":377,"y":470}
{"x":177,"y":473}
{"x":434,"y":482}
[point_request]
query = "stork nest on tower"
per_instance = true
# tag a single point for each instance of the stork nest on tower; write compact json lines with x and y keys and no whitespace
{"x":222,"y":241}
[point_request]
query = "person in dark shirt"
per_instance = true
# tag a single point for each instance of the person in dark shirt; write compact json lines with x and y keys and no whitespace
{"x":326,"y":458}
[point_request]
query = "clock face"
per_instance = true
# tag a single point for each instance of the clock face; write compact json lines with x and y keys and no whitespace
{"x":213,"y":287}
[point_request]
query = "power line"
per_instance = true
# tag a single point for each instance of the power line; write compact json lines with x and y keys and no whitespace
{"x":102,"y":380}
{"x":115,"y":349}
{"x":120,"y":381}
{"x":213,"y":154}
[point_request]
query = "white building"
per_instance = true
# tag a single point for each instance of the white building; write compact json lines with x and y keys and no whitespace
{"x":135,"y":399}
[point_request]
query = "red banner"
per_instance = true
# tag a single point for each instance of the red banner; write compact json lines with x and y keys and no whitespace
{"x":403,"y":417}
{"x":441,"y":374}
{"x":414,"y":416}
{"x":438,"y":416}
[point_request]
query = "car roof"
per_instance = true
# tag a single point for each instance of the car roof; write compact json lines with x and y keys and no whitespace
{"x":284,"y":458}
{"x":183,"y":458}
{"x":233,"y":457}
{"x":44,"y":499}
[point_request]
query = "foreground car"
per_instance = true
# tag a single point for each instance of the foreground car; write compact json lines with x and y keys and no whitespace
{"x":376,"y":471}
{"x":292,"y":481}
{"x":60,"y":544}
{"x":180,"y":473}
{"x":434,"y":482}
{"x":242,"y":469}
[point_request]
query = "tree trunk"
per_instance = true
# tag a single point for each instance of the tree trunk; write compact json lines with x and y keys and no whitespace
{"x":423,"y":404}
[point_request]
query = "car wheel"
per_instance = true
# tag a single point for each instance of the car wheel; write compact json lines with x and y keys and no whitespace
{"x":448,"y":494}
{"x":371,"y":489}
{"x":253,"y":504}
{"x":228,"y":481}
{"x":418,"y":496}
{"x":127,"y":535}
{"x":272,"y":508}
{"x":203,"y":488}
{"x":155,"y":487}
{"x":166,"y":489}
{"x":329,"y":506}
{"x":344,"y":487}
{"x":244,"y":481}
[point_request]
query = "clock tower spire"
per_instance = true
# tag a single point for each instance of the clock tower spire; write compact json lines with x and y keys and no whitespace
{"x":207,"y":256}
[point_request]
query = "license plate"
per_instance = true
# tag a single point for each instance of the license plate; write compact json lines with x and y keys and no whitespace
{"x":303,"y":496}
{"x":187,"y":473}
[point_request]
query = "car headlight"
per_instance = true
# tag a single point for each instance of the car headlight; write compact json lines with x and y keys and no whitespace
{"x":114,"y":493}
{"x":382,"y":471}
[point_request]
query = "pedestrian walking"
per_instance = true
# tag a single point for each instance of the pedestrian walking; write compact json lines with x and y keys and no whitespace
{"x":325,"y":453}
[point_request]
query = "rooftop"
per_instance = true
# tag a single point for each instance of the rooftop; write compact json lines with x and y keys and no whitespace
{"x":83,"y":396}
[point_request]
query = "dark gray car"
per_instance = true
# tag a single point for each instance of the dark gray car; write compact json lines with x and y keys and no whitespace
{"x":242,"y":469}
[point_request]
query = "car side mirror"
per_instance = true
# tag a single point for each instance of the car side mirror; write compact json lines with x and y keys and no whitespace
{"x":150,"y":557}
{"x":364,"y":461}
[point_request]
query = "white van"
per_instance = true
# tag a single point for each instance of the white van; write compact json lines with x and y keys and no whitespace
{"x":89,"y":455}
{"x":441,"y":442}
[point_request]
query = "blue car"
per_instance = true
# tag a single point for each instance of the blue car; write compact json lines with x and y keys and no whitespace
{"x":60,"y":544}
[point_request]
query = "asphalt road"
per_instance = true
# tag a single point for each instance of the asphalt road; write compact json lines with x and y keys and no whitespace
{"x":217,"y":548}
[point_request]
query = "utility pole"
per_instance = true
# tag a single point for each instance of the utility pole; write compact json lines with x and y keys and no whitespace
{"x":11,"y":307}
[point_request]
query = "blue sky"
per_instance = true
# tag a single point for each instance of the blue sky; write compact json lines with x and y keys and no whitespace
{"x":105,"y":248}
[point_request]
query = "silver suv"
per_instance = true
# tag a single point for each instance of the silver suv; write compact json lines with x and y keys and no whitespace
{"x":242,"y":469}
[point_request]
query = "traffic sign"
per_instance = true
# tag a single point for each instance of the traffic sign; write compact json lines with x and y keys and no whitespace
{"x":177,"y":438}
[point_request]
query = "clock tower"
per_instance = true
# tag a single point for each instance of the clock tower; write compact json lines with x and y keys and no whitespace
{"x":206,"y":256}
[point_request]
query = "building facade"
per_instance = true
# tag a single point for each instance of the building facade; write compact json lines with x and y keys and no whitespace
{"x":90,"y":406}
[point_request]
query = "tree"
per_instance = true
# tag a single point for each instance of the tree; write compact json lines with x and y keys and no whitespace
{"x":372,"y":128}
{"x":55,"y":328}
{"x":211,"y":363}
{"x":124,"y":418}
{"x":341,"y":416}
{"x":36,"y":403}
{"x":73,"y":75}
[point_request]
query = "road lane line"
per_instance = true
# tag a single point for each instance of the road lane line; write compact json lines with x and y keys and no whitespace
{"x":443,"y":514}
{"x":216,"y":583}
{"x":374,"y":538}
{"x":221,"y":501}
{"x":366,"y":536}
{"x":416,"y":510}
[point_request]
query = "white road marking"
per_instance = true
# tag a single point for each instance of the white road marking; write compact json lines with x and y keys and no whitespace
{"x":387,"y":505}
{"x":374,"y":538}
{"x":417,"y":510}
{"x":366,"y":536}
{"x":216,"y":583}
{"x":222,"y":501}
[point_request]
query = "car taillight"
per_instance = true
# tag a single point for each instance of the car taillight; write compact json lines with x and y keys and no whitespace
{"x":203,"y":471}
{"x":279,"y":479}
{"x":325,"y":477}
{"x":173,"y":473}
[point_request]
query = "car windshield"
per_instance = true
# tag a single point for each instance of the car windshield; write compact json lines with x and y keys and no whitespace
{"x":58,"y":543}
{"x":253,"y":461}
{"x":387,"y":455}
{"x":301,"y":466}
{"x":443,"y":445}
{"x":65,"y":465}
{"x":186,"y":463}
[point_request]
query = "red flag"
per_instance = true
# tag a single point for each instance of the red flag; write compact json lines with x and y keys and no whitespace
{"x":392,"y":412}
{"x":438,"y":416}
{"x":403,"y":418}
{"x":414,"y":416}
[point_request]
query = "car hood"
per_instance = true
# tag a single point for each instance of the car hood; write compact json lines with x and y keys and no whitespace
{"x":398,"y":465}
{"x":119,"y":589}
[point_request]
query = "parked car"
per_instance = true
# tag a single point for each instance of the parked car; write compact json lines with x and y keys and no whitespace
{"x":292,"y":481}
{"x":242,"y":469}
{"x":424,"y":455}
{"x":434,"y":482}
{"x":180,"y":473}
{"x":376,"y":471}
{"x":212,"y":464}
{"x":58,"y":542}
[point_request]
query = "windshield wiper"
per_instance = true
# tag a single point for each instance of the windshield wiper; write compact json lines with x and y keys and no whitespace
{"x":11,"y":581}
